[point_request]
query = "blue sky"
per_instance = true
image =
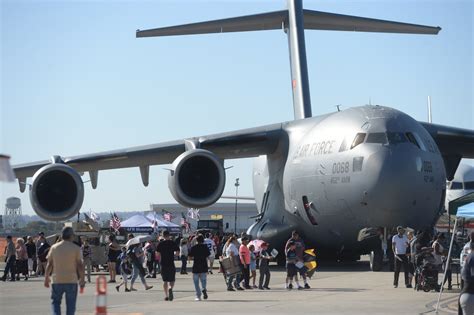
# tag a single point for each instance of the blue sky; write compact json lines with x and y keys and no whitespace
{"x":75,"y":80}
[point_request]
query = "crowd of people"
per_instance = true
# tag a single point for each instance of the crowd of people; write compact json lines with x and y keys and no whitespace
{"x":422,"y":253}
{"x":25,"y":257}
{"x":69,"y":264}
{"x":159,"y":254}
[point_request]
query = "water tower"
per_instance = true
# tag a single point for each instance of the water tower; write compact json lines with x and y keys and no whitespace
{"x":12,"y":218}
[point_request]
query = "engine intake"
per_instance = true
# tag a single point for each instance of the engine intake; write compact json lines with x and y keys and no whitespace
{"x":197,"y":179}
{"x":57,"y":192}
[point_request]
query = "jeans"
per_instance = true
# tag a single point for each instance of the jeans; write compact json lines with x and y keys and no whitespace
{"x":196,"y":278}
{"x":184,"y":263}
{"x":88,"y":267}
{"x":10,"y":267}
{"x":230,"y":280}
{"x":137,"y":271}
{"x":57,"y":291}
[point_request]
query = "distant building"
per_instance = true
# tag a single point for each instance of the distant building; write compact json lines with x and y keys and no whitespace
{"x":246,"y":213}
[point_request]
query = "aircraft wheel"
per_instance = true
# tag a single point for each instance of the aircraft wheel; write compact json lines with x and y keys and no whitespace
{"x":376,"y":260}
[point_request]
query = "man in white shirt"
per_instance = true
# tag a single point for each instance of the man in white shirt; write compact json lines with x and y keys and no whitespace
{"x":399,"y":247}
{"x":211,"y":245}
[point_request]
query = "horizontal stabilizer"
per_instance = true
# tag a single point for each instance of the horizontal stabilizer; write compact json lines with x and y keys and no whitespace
{"x":257,"y":22}
{"x":315,"y":20}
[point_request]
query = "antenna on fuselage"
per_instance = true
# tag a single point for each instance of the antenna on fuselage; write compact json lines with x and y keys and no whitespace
{"x":293,"y":21}
{"x":338,"y":107}
{"x":430,"y":119}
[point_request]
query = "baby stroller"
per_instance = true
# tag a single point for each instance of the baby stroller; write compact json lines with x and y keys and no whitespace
{"x":426,"y":272}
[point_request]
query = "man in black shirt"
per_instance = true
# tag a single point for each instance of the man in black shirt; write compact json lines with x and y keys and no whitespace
{"x":167,"y":249}
{"x":200,"y":252}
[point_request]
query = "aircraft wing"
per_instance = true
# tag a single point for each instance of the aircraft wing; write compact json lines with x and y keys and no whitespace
{"x":453,"y":143}
{"x":229,"y":145}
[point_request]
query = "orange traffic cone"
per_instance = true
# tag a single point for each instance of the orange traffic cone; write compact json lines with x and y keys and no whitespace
{"x":101,"y":296}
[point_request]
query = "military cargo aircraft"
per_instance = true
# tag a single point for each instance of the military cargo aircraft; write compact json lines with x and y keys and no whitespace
{"x":335,"y":178}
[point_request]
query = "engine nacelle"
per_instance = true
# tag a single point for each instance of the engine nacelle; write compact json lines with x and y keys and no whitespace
{"x":197,"y":179}
{"x":57,"y":192}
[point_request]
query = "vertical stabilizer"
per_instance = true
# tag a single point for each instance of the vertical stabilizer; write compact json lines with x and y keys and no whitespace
{"x":299,"y":68}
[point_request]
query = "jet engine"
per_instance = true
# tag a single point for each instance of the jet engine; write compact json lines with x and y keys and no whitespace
{"x":57,"y":192}
{"x":197,"y":178}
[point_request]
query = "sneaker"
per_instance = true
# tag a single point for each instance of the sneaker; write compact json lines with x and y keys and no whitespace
{"x":133,"y":289}
{"x":167,"y":298}
{"x":247,"y":287}
{"x":148,"y":287}
{"x":254,"y":286}
{"x":117,"y":288}
{"x":306,"y":286}
{"x":204,"y":294}
{"x":127,"y":290}
{"x":261,"y":288}
{"x":240,"y":288}
{"x":170,"y":292}
{"x":300,"y":288}
{"x":395,"y":285}
{"x":450,"y":287}
{"x":197,"y":298}
{"x":230,"y":289}
{"x":268,"y":288}
{"x":290,"y":286}
{"x":409,"y":286}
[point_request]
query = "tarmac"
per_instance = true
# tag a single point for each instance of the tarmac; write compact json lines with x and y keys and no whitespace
{"x":338,"y":288}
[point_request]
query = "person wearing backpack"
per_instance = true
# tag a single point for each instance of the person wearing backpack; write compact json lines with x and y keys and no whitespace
{"x":125,"y":269}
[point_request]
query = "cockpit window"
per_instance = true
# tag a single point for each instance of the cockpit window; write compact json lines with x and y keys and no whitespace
{"x":396,"y":137}
{"x":456,"y":185}
{"x":469,"y":185}
{"x":412,"y":139}
{"x":377,"y":137}
{"x":359,"y":138}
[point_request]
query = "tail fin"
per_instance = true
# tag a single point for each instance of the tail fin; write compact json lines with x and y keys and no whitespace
{"x":293,"y":21}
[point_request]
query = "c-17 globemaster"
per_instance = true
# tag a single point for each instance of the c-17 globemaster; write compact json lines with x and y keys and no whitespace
{"x":335,"y":178}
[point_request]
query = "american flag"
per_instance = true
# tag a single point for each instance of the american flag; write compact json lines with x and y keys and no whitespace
{"x":115,"y":222}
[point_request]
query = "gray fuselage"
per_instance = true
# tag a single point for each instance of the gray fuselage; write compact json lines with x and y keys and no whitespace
{"x":394,"y":176}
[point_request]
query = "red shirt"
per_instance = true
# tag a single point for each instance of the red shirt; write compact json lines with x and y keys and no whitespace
{"x":244,"y":254}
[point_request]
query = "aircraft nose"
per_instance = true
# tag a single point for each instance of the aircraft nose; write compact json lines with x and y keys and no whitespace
{"x":399,"y":192}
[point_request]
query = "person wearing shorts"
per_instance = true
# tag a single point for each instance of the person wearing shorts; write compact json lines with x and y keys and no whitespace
{"x":291,"y":271}
{"x":167,"y":249}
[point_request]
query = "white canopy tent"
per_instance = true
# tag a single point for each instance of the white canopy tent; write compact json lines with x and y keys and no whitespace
{"x":463,"y":207}
{"x":143,"y":224}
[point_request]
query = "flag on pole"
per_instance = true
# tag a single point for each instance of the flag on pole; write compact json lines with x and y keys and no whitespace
{"x":94,"y":216}
{"x":193,"y":213}
{"x":115,"y":222}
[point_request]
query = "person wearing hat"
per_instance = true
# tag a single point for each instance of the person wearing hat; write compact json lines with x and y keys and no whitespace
{"x":67,"y":269}
{"x":399,"y":247}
